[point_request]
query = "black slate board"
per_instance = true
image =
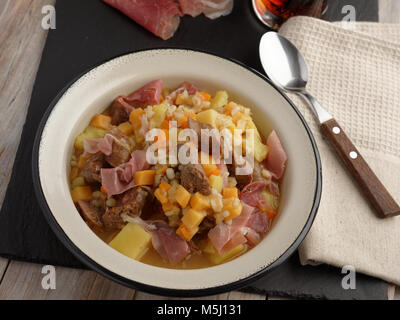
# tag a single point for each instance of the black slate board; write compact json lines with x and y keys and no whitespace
{"x":88,"y":33}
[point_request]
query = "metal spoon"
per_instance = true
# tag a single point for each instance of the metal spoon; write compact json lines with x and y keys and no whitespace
{"x":286,"y":67}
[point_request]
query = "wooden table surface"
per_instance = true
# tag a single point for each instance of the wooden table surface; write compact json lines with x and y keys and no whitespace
{"x":21,"y":43}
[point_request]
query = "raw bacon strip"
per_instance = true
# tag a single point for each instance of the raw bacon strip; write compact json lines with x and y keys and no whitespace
{"x":276,"y":160}
{"x":161,"y":17}
{"x":211,"y":8}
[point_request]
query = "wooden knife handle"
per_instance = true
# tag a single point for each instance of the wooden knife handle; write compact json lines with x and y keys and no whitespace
{"x":373,"y":189}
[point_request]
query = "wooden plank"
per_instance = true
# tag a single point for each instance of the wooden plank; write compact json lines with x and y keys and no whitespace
{"x":238,"y":295}
{"x":3,"y":267}
{"x":233,"y":295}
{"x":147,"y":296}
{"x":397,"y":294}
{"x":24,"y":281}
{"x":21,"y":42}
{"x":389,"y":11}
{"x":104,"y":289}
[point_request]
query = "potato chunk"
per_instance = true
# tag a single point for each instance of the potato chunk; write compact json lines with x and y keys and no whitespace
{"x":220,"y":99}
{"x":208,"y":117}
{"x":89,"y":133}
{"x":216,"y":258}
{"x":216,"y":182}
{"x":131,"y":241}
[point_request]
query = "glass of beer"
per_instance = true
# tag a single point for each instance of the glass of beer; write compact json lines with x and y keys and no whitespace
{"x":274,"y":12}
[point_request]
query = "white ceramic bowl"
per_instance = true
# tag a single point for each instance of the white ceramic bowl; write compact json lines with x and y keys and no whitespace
{"x":70,"y":113}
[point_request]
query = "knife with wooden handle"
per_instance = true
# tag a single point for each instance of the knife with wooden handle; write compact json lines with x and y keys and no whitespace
{"x":372,"y":187}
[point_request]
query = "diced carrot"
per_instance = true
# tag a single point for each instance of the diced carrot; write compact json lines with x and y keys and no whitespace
{"x":161,"y":196}
{"x":183,"y":232}
{"x":165,"y":124}
{"x":134,"y":118}
{"x":192,"y":218}
{"x":234,"y":212}
{"x":182,"y":196}
{"x":166,"y":133}
{"x":160,"y":141}
{"x":103,"y":190}
{"x":81,"y":193}
{"x":205,"y":96}
{"x":199,"y":201}
{"x":162,"y":169}
{"x":145,"y":177}
{"x":101,"y":121}
{"x":168,"y":206}
{"x":165,"y":186}
{"x":215,"y":172}
{"x":270,"y":213}
{"x":229,"y":108}
{"x":186,"y":233}
{"x":230,"y":192}
{"x":209,"y":169}
{"x":126,"y":128}
{"x":237,"y":116}
{"x":183,"y":122}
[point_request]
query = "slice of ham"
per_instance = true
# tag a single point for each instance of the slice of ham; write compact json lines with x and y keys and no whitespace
{"x":258,"y":221}
{"x":191,"y":90}
{"x":252,"y":237}
{"x":120,"y":111}
{"x":211,"y":8}
{"x":103,"y":145}
{"x":276,"y":160}
{"x":91,"y":146}
{"x":237,"y":239}
{"x":148,"y":95}
{"x":168,"y":244}
{"x":164,"y":239}
{"x":251,"y":194}
{"x":222,"y":234}
{"x":161,"y":17}
{"x":120,"y":179}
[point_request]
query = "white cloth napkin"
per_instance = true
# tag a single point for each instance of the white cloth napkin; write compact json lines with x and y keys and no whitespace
{"x":355,"y":75}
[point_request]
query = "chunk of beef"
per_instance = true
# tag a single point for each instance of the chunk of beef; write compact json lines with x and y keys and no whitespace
{"x":120,"y":111}
{"x":121,"y":148}
{"x":242,"y":180}
{"x":137,"y":198}
{"x":90,"y":213}
{"x":112,"y":218}
{"x":207,"y":224}
{"x":91,"y":170}
{"x":130,"y":203}
{"x":194,"y":179}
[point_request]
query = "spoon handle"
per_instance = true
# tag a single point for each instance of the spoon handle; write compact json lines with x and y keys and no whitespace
{"x":372,"y":187}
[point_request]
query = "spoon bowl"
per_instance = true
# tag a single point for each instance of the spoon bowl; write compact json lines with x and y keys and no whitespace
{"x":283,"y":63}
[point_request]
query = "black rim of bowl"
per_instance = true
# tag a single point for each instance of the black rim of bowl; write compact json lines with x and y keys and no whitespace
{"x":154,"y":289}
